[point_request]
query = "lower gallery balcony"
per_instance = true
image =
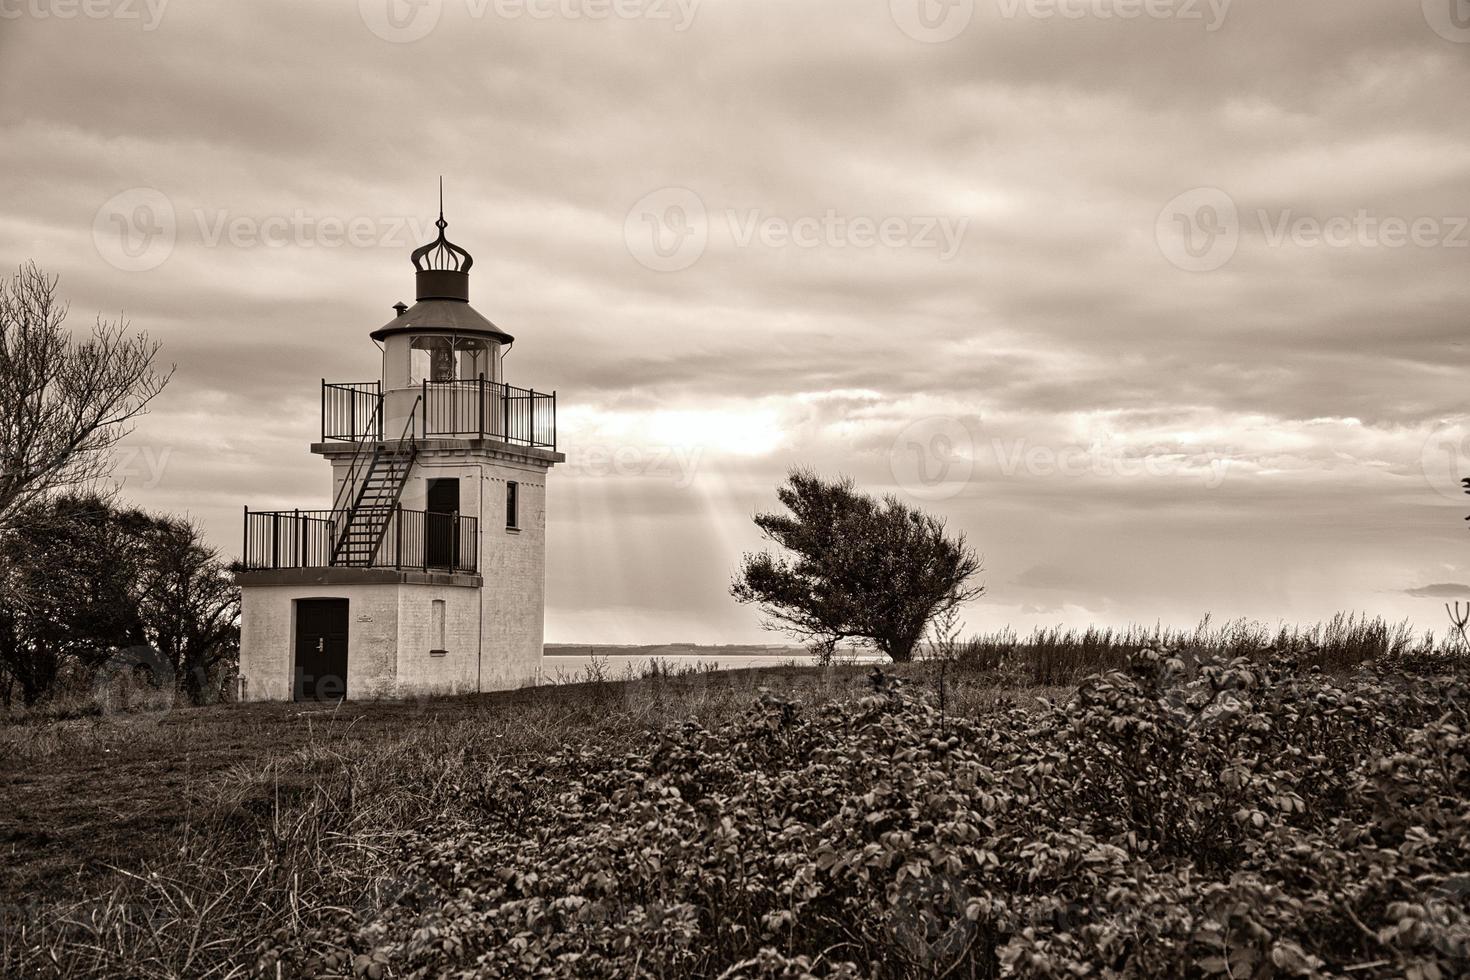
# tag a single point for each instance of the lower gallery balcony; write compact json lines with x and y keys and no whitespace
{"x":332,"y":546}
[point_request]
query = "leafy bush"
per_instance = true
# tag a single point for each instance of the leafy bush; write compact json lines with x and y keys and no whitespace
{"x":1222,"y":818}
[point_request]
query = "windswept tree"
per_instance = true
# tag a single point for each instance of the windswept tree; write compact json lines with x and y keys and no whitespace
{"x":65,"y":401}
{"x":852,"y":567}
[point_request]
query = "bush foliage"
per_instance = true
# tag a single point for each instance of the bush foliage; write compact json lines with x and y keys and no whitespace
{"x":1221,"y":818}
{"x":852,"y":567}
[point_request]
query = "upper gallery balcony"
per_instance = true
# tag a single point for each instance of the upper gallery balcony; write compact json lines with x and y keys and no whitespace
{"x":457,"y":409}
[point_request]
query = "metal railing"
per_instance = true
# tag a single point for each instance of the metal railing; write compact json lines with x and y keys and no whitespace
{"x":361,"y":463}
{"x":471,"y":408}
{"x":413,"y":539}
{"x":289,"y":538}
{"x":490,"y":410}
{"x":352,"y":411}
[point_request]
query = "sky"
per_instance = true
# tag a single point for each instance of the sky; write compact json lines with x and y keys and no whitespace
{"x":1162,"y":303}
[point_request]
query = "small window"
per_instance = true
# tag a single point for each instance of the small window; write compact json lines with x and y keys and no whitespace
{"x":436,"y":627}
{"x":512,"y":505}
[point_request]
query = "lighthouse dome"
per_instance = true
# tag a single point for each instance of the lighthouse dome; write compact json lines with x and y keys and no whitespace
{"x":442,"y":294}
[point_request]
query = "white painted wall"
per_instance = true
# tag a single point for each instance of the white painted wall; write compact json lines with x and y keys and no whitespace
{"x":389,"y":639}
{"x":419,"y":670}
{"x":494,"y":634}
{"x":268,"y":637}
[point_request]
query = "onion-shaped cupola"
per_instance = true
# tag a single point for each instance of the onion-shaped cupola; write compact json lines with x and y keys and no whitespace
{"x":442,"y":293}
{"x":442,"y":268}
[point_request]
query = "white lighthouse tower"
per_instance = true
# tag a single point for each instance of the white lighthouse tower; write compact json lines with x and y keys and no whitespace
{"x":426,"y":574}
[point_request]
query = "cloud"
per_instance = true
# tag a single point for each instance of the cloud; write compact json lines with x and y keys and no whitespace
{"x":1442,"y":590}
{"x":1102,"y":388}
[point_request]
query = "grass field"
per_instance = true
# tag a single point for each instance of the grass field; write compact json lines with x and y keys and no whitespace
{"x":193,"y":842}
{"x":164,"y":820}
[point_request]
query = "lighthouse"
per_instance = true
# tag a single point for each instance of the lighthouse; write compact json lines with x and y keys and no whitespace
{"x":424,"y":572}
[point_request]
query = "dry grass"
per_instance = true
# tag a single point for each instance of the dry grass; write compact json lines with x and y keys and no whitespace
{"x":1064,"y":656}
{"x":170,"y":842}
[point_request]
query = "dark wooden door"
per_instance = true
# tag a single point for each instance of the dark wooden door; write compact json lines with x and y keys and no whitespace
{"x":321,"y":649}
{"x":441,"y":524}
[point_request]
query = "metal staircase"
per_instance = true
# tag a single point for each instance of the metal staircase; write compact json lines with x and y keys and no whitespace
{"x":374,"y":484}
{"x":367,"y":520}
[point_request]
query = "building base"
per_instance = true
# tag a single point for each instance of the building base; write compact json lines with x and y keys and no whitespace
{"x":365,"y":633}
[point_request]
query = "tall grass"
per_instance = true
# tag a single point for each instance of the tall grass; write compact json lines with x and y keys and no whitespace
{"x":1055,"y":656}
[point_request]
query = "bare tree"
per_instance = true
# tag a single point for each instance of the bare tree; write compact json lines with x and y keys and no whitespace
{"x":64,"y":401}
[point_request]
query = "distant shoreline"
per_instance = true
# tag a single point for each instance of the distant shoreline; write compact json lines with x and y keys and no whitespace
{"x":674,"y":650}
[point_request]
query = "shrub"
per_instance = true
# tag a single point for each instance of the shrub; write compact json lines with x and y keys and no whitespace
{"x":1226,"y":817}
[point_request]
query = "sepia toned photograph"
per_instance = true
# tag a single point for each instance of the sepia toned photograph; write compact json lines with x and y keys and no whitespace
{"x":734,"y":489}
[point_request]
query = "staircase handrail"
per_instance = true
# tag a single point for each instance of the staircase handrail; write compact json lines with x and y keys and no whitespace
{"x":347,"y":491}
{"x":409,"y":428}
{"x":349,"y":495}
